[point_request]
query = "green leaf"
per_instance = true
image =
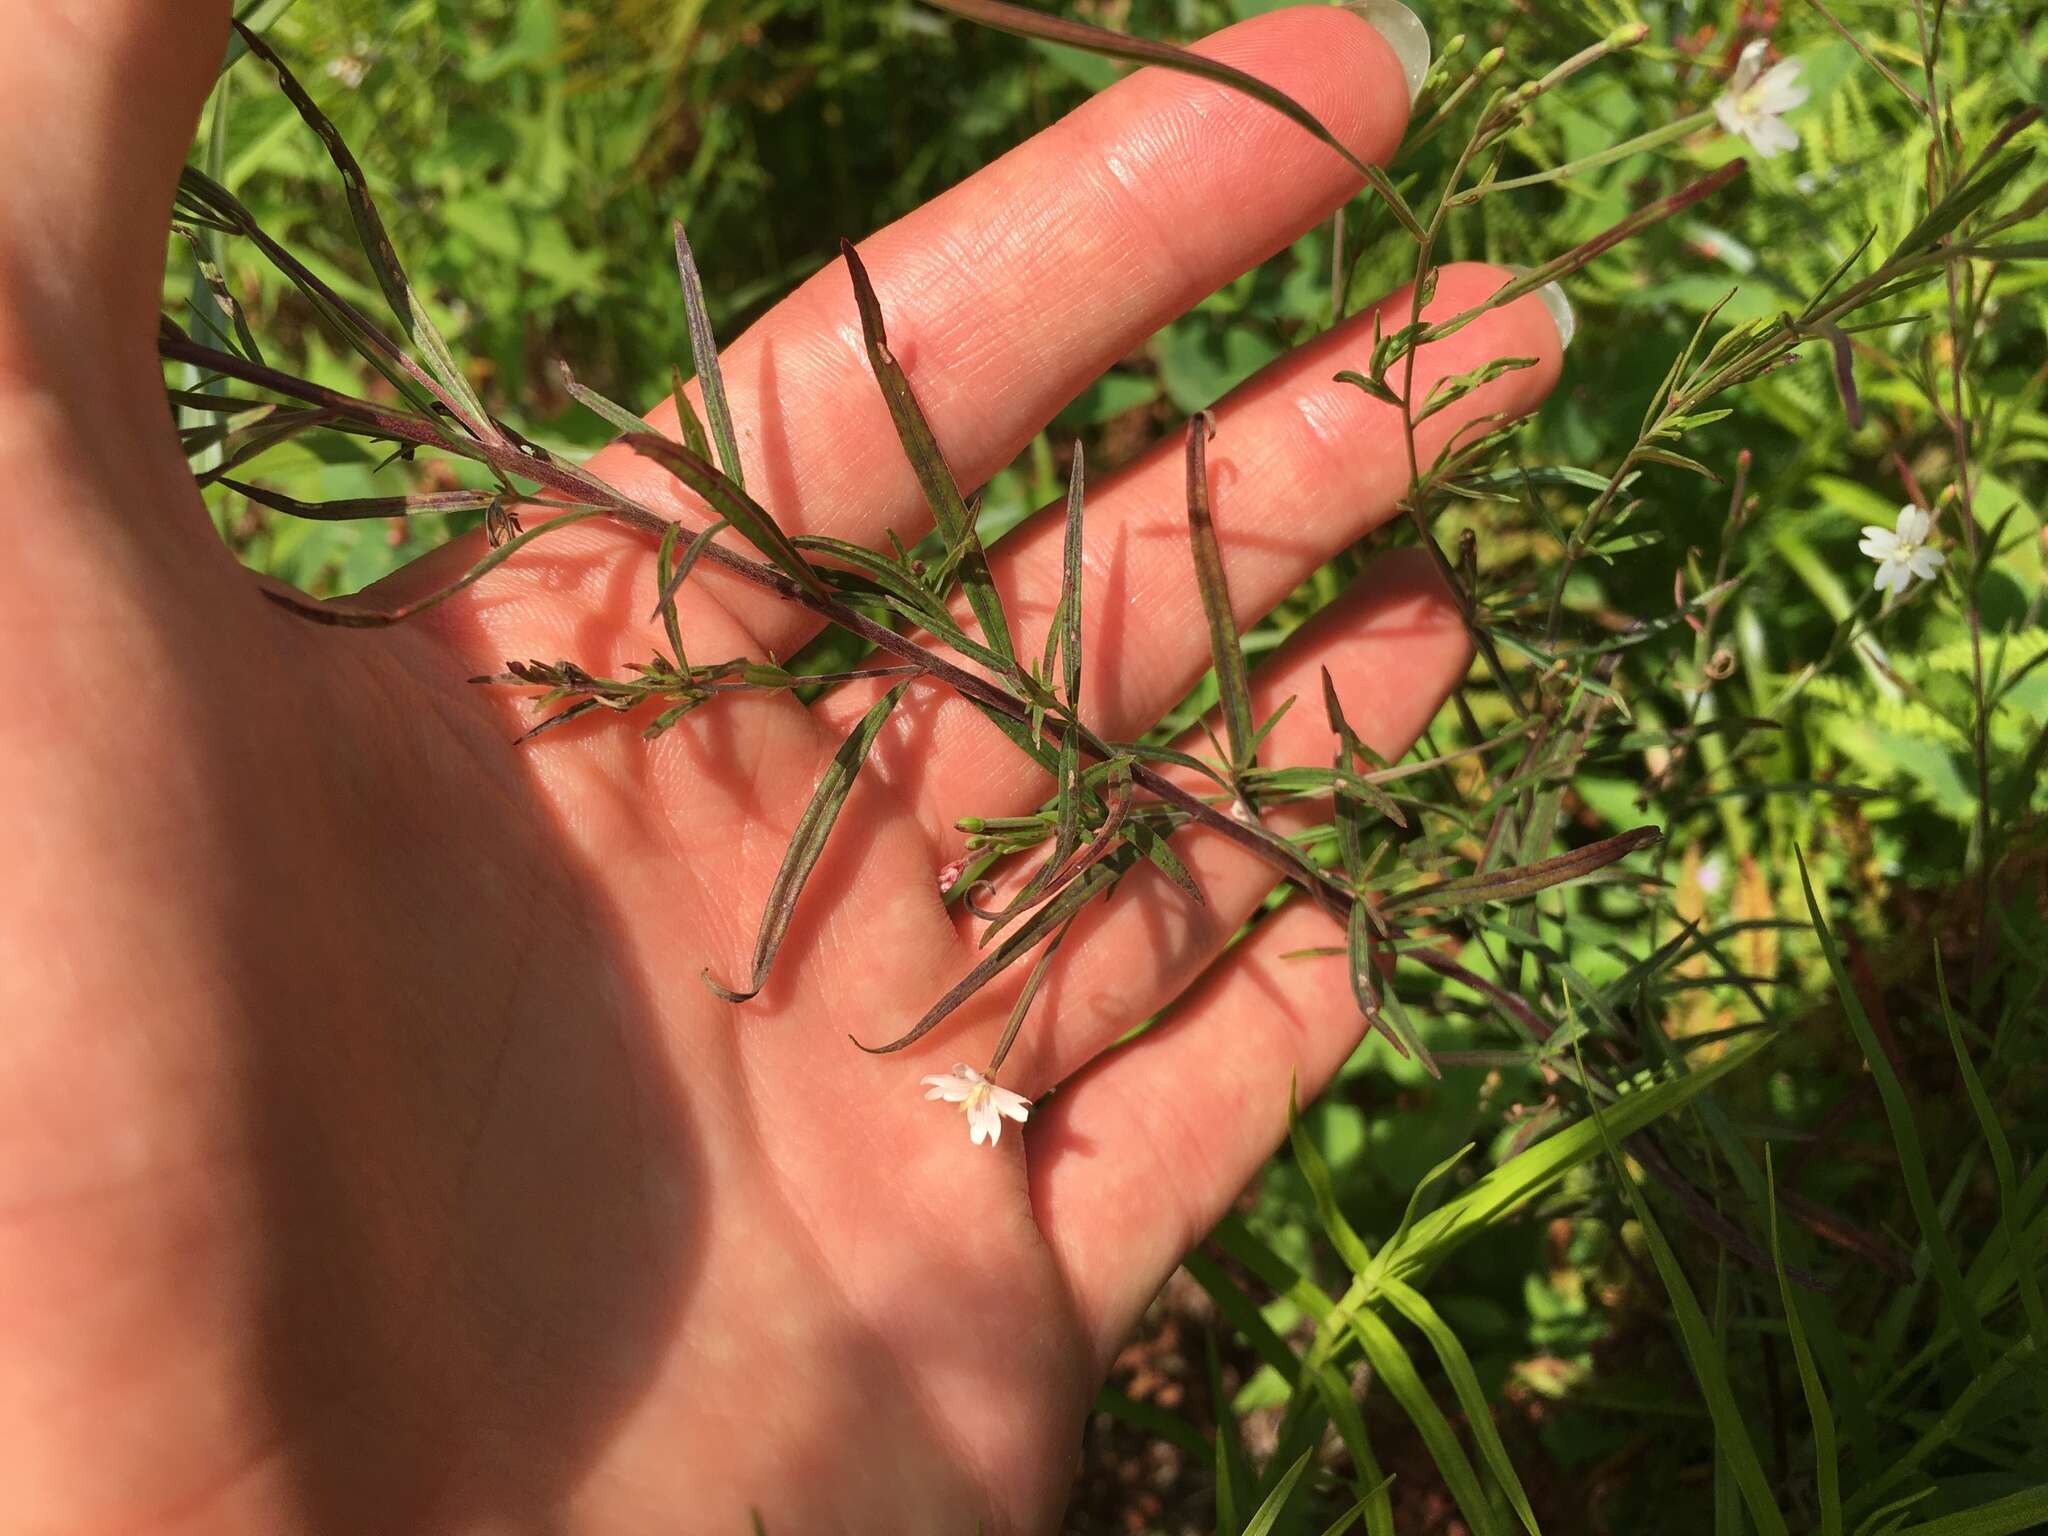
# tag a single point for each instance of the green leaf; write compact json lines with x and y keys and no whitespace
{"x":1394,"y":1368}
{"x":2009,"y":1516}
{"x":1540,"y":1167}
{"x":1703,"y":1350}
{"x":1268,"y":1514}
{"x":1906,"y":1137}
{"x":807,"y":844}
{"x":1349,"y":1245}
{"x":1826,"y":1462}
{"x":2025,"y":1264}
{"x":950,"y":512}
{"x":1471,"y":1396}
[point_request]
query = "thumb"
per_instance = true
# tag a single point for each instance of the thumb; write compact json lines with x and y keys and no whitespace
{"x":98,"y":99}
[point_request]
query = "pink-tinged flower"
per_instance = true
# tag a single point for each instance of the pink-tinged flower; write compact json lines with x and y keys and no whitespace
{"x":981,"y":1099}
{"x":1757,"y":99}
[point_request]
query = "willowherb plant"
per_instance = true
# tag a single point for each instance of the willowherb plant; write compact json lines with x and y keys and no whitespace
{"x":1417,"y":877}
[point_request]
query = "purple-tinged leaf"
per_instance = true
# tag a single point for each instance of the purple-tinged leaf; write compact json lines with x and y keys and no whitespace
{"x":950,"y":512}
{"x":1226,"y":652}
{"x":732,"y":503}
{"x":807,"y":845}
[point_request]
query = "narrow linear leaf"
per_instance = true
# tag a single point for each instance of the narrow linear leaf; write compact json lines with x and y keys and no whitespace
{"x":1066,"y":625}
{"x":418,"y":505}
{"x":1309,"y":1158}
{"x":1052,"y":915}
{"x":405,"y":303}
{"x":1226,"y":651}
{"x":687,"y":418}
{"x":1268,"y":1514}
{"x":1390,"y":1361}
{"x":1826,"y":1461}
{"x":807,"y":844}
{"x":731,"y":502}
{"x":2009,"y":1516}
{"x":1703,"y":1350}
{"x":1471,"y":1396}
{"x":598,"y":405}
{"x":950,"y":512}
{"x":1526,"y":879}
{"x":1906,"y":1137}
{"x":1020,"y":22}
{"x":665,"y":595}
{"x":2025,"y":1266}
{"x":359,"y":618}
{"x":704,"y":354}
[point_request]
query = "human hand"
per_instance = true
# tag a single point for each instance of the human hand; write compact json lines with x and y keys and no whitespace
{"x":371,"y":1155}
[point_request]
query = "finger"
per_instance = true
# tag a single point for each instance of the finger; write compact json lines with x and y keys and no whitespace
{"x":1133,"y":1162}
{"x":1007,"y":295}
{"x":97,"y":103}
{"x":1301,"y":467}
{"x":1395,"y":647}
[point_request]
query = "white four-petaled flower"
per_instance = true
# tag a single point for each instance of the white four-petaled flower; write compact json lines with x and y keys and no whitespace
{"x":1901,"y":553}
{"x":1757,"y":99}
{"x":981,"y":1099}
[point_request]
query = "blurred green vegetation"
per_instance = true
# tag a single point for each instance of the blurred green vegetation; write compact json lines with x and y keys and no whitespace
{"x":529,"y":154}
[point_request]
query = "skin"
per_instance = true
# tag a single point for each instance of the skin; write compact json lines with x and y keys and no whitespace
{"x":371,"y":1156}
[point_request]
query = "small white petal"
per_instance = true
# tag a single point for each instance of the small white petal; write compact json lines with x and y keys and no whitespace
{"x":1780,"y":91}
{"x":1749,"y":64}
{"x":1926,"y":562}
{"x":1015,"y":1105}
{"x":983,"y":1123}
{"x":1914,"y":525}
{"x":1878,"y":543}
{"x":1733,"y":119}
{"x":1770,"y":137}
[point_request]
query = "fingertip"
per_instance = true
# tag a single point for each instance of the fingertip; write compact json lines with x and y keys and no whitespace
{"x":1334,"y":61}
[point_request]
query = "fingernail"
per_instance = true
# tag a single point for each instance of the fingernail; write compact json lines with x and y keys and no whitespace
{"x":1562,"y":315}
{"x":1404,"y":33}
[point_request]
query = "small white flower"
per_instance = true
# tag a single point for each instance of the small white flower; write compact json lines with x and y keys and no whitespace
{"x":1757,"y":99}
{"x":981,"y":1099}
{"x":1712,"y":874}
{"x":1901,"y":553}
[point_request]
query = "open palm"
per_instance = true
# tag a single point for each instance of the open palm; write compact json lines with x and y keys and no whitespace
{"x":372,"y":1156}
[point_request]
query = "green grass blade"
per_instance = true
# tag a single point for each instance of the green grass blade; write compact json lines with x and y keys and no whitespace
{"x":1543,"y":1165}
{"x":807,"y":843}
{"x":1267,"y":1515}
{"x":2026,"y":1510}
{"x":1826,"y":1462}
{"x":2025,"y":1264}
{"x":1349,"y":1245}
{"x":1704,"y":1351}
{"x":1450,"y":1352}
{"x":1398,"y":1372}
{"x":1906,"y":1137}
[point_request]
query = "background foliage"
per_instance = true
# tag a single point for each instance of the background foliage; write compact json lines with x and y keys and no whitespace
{"x":1625,"y":1326}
